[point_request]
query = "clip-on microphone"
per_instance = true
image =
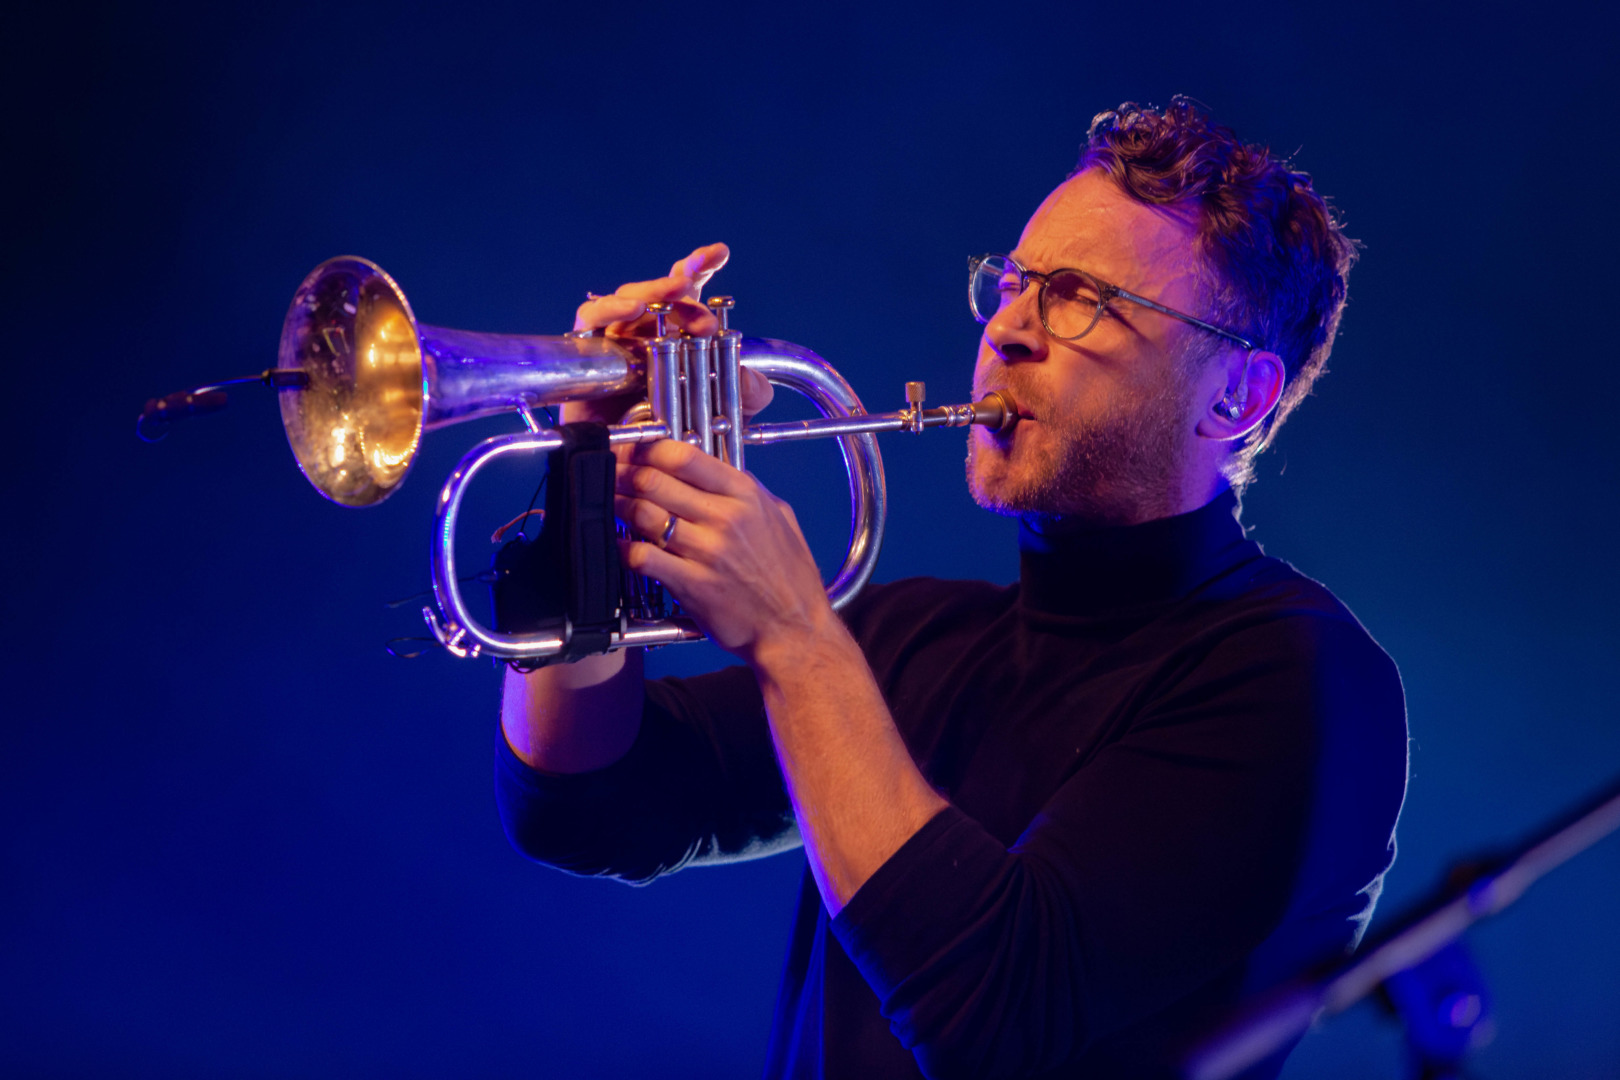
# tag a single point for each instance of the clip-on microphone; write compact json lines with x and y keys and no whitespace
{"x":154,"y":421}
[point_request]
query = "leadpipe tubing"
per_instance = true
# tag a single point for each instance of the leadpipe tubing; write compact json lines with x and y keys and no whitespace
{"x":988,"y":412}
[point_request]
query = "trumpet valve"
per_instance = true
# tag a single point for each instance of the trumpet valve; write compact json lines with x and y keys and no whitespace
{"x":721,"y":306}
{"x":660,"y":310}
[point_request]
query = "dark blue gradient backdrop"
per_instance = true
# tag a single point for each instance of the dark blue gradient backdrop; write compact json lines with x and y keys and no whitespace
{"x":242,"y":840}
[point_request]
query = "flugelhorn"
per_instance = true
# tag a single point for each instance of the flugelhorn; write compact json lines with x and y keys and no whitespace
{"x":362,"y":380}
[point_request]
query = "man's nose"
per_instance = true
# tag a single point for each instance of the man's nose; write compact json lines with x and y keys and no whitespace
{"x":1015,"y":332}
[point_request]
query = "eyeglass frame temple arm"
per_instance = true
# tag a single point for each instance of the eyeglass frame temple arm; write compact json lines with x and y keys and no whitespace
{"x":1106,"y":292}
{"x":1115,"y":290}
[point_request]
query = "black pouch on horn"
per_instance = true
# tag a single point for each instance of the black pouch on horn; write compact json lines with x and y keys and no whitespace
{"x":572,"y":567}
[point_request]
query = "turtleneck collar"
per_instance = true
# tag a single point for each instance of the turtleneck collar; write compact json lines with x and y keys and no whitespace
{"x":1095,"y":571}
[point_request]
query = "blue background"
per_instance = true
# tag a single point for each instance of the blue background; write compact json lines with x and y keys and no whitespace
{"x":241,"y":840}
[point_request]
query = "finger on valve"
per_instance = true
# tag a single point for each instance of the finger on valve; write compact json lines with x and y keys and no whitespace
{"x":623,"y":313}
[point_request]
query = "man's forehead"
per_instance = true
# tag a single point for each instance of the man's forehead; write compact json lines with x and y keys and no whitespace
{"x":1088,"y":223}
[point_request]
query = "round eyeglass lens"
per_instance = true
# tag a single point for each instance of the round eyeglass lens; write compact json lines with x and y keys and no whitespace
{"x":994,"y":283}
{"x":1069,"y":304}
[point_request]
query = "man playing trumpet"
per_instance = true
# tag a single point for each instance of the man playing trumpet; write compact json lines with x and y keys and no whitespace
{"x":1054,"y":828}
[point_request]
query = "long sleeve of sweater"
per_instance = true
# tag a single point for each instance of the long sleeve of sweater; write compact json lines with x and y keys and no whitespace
{"x":699,"y":785}
{"x":1157,"y":868}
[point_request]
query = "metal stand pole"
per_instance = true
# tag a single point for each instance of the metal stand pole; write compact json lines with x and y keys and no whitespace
{"x":1283,"y":1015}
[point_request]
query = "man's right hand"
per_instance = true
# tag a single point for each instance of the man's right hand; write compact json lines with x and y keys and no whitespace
{"x":572,"y":718}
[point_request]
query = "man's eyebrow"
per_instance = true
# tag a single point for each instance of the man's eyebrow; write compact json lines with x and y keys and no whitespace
{"x":1027,"y":264}
{"x":1044,"y":266}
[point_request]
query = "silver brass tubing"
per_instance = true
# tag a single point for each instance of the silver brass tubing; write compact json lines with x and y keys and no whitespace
{"x":987,"y":412}
{"x":649,"y":431}
{"x":666,"y":632}
{"x":459,"y":625}
{"x":699,"y":395}
{"x":795,"y":430}
{"x":728,"y":345}
{"x":467,"y":375}
{"x":799,"y":369}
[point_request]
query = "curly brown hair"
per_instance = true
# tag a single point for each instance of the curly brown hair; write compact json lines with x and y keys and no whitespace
{"x":1277,"y":260}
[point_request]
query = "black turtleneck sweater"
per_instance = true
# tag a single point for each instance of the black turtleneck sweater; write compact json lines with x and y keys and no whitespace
{"x":1174,"y":768}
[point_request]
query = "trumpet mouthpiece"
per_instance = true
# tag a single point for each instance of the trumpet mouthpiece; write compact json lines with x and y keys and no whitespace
{"x":996,"y":410}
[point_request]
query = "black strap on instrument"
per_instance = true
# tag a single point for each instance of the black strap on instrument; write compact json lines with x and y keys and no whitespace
{"x":572,"y":567}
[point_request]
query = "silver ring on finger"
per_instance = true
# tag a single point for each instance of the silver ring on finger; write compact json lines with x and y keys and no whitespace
{"x":668,"y":533}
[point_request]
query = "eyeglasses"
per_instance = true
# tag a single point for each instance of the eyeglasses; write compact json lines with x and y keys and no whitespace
{"x":1070,"y":301}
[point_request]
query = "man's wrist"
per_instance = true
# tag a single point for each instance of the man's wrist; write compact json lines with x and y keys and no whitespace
{"x":791,"y":652}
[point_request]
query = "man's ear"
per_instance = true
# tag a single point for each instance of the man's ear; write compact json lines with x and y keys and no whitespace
{"x":1254,"y":382}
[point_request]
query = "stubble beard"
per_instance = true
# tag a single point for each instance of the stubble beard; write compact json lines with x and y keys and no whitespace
{"x":1123,"y":467}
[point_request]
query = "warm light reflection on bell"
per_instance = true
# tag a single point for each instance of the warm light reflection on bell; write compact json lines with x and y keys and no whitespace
{"x":356,"y":425}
